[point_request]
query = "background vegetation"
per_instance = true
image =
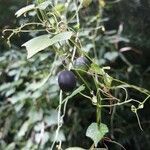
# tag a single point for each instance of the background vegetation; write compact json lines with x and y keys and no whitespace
{"x":25,"y":104}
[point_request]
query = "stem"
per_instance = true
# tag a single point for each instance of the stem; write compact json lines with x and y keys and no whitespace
{"x":99,"y":99}
{"x":98,"y":109}
{"x":141,"y":90}
{"x":83,"y":80}
{"x":59,"y":123}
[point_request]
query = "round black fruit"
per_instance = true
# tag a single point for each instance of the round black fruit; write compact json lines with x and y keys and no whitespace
{"x":66,"y":80}
{"x":81,"y":63}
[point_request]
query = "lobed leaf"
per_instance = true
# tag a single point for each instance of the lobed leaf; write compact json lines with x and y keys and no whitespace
{"x":96,"y":133}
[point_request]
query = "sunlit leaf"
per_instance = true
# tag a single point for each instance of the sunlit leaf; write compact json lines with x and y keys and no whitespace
{"x":96,"y":69}
{"x":24,"y":10}
{"x":19,"y":106}
{"x":23,"y":129}
{"x":35,"y":115}
{"x":19,"y":97}
{"x":111,"y":56}
{"x":39,"y":43}
{"x":59,"y":8}
{"x":96,"y":133}
{"x":42,"y":140}
{"x":60,"y":136}
{"x":52,"y":118}
{"x":44,"y":5}
{"x":11,"y":146}
{"x":79,"y":89}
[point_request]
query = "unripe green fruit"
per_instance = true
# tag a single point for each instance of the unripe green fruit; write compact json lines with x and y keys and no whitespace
{"x":66,"y":80}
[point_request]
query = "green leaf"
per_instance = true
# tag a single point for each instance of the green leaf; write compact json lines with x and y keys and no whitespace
{"x":96,"y":133}
{"x":79,"y":89}
{"x":35,"y":115}
{"x":39,"y":43}
{"x":24,"y":10}
{"x":23,"y":129}
{"x":11,"y":146}
{"x":19,"y":106}
{"x":52,"y":118}
{"x":59,"y":8}
{"x":41,"y":138}
{"x":96,"y":69}
{"x":60,"y":136}
{"x":111,"y":56}
{"x":10,"y":85}
{"x":19,"y":97}
{"x":44,"y":5}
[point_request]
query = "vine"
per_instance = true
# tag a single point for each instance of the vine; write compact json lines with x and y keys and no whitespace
{"x":56,"y":26}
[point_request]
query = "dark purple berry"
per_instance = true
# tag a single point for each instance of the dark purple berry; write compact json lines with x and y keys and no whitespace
{"x":67,"y":80}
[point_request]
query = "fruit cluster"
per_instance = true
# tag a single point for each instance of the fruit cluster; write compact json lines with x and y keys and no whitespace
{"x":67,"y":79}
